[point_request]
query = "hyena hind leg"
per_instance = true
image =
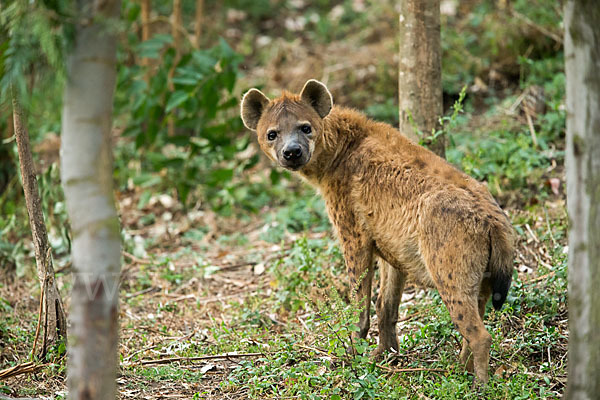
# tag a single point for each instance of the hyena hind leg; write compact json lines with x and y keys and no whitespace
{"x":466,"y":355}
{"x":465,"y":315}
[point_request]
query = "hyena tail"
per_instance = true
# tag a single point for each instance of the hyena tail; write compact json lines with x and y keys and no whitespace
{"x":501,"y":262}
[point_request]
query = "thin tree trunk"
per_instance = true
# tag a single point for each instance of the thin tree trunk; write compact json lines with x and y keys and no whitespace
{"x":198,"y":22}
{"x":87,"y":176}
{"x":176,"y":27}
{"x":420,"y":71}
{"x":145,"y":12}
{"x":145,"y":6}
{"x":582,"y":60}
{"x":55,"y":326}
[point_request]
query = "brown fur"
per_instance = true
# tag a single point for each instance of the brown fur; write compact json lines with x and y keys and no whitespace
{"x":393,"y":200}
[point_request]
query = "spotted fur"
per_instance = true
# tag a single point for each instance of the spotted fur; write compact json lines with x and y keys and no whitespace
{"x":392,"y":200}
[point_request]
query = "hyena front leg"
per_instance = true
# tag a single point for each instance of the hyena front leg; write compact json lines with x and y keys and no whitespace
{"x":391,"y":285}
{"x":358,"y":255}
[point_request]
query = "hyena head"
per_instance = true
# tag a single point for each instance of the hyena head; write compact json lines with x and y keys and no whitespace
{"x":288,"y":127}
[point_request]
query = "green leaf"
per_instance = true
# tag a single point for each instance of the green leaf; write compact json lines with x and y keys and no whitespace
{"x":146,"y":180}
{"x":221,"y":175}
{"x":204,"y":60}
{"x":152,"y":47}
{"x":185,"y":81}
{"x":144,"y":199}
{"x":177,"y":98}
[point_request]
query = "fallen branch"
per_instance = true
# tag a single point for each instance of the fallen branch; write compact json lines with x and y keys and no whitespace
{"x":539,"y":278}
{"x":20,"y":369}
{"x":215,"y":299}
{"x":402,"y":370}
{"x":135,"y":259}
{"x":410,"y":316}
{"x":186,"y":337}
{"x":213,"y":357}
{"x":143,"y":291}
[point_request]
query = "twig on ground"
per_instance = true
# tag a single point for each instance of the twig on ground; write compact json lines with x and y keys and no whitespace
{"x":143,"y":291}
{"x":235,"y":266}
{"x":531,"y":129}
{"x":402,"y":370}
{"x":136,"y":259}
{"x":129,"y":357}
{"x":317,"y":350}
{"x":539,"y":278}
{"x":409,"y":317}
{"x":20,"y":369}
{"x":214,"y":299}
{"x":533,"y":236}
{"x":214,"y":357}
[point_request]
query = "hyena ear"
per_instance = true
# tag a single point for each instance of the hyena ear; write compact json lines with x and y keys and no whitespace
{"x":317,"y":95}
{"x":253,"y":105}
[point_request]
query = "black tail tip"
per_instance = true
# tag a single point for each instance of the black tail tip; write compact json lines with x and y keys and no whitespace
{"x":500,"y":285}
{"x":498,"y":300}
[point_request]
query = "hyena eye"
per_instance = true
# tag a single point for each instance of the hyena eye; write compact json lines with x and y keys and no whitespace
{"x":306,"y":129}
{"x":272,"y":135}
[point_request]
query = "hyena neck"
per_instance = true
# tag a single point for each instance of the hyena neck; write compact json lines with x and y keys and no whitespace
{"x":343,"y":129}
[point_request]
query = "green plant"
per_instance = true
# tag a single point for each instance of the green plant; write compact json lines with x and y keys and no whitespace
{"x":200,"y":151}
{"x":304,"y":268}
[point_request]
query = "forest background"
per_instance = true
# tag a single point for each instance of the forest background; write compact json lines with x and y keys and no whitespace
{"x":223,"y":253}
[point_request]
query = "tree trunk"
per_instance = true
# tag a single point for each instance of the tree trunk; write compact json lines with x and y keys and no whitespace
{"x":198,"y":23}
{"x":52,"y":312}
{"x":420,"y":72}
{"x":176,"y":27}
{"x":145,"y":12}
{"x":582,"y":58}
{"x":87,"y":176}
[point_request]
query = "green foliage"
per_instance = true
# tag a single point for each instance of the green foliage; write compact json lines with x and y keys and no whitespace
{"x":336,"y":372}
{"x":490,"y":36}
{"x":201,"y":150}
{"x":387,"y":111}
{"x":311,"y":263}
{"x":29,"y":30}
{"x":297,"y":216}
{"x":503,"y":154}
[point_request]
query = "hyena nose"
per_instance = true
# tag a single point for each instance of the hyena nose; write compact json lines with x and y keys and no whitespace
{"x":292,"y":152}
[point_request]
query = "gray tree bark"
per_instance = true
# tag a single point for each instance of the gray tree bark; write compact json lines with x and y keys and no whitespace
{"x":420,"y":71}
{"x":582,"y":62}
{"x":86,"y":168}
{"x":52,"y":312}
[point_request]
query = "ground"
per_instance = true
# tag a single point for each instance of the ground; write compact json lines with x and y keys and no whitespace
{"x":231,"y":312}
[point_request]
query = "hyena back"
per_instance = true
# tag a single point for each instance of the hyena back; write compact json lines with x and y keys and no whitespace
{"x":393,"y":200}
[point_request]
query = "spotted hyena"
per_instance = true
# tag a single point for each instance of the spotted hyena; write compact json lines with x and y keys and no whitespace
{"x":393,"y":200}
